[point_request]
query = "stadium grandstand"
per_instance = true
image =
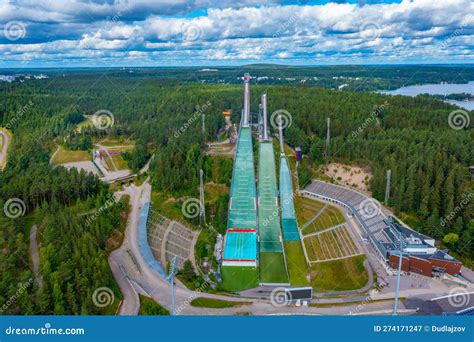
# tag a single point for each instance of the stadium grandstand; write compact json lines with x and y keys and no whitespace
{"x":368,"y":215}
{"x":143,"y":245}
{"x":387,"y":237}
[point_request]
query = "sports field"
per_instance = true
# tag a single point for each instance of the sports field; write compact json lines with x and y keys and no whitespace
{"x":237,"y":278}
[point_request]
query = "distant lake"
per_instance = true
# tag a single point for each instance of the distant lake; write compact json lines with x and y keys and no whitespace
{"x":437,"y":89}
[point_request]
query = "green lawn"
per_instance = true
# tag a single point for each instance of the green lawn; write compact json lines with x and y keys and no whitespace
{"x":149,"y":307}
{"x":296,"y":262}
{"x":339,"y":275}
{"x":212,"y":303}
{"x":236,"y":279}
{"x":67,"y":156}
{"x":272,"y":268}
{"x":120,"y":162}
{"x":84,"y":124}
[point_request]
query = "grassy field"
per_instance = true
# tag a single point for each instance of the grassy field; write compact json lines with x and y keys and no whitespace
{"x":120,"y":162}
{"x":151,"y":308}
{"x":111,"y":142}
{"x":236,"y":279}
{"x":10,"y":137}
{"x":272,"y":268}
{"x":339,"y":275}
{"x":84,"y":124}
{"x":67,"y":156}
{"x":307,"y":208}
{"x":297,"y":267}
{"x":212,"y":303}
{"x":335,"y":243}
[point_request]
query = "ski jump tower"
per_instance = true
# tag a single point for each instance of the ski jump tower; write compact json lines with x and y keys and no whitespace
{"x":246,"y":109}
{"x":239,"y":262}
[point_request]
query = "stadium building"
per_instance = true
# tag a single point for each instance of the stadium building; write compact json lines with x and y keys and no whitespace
{"x":420,"y":254}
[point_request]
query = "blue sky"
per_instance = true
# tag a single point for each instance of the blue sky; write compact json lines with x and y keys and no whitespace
{"x":49,"y":33}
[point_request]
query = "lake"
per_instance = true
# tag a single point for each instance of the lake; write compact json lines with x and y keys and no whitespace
{"x":437,"y":89}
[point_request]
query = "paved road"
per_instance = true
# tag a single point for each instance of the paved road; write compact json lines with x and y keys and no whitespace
{"x":119,"y":260}
{"x":35,"y":254}
{"x":3,"y":152}
{"x":110,"y":175}
{"x":456,"y":300}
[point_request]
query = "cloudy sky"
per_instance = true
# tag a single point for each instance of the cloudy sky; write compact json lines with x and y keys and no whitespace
{"x":206,"y":32}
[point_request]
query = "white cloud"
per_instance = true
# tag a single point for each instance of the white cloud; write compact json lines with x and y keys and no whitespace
{"x":408,"y":29}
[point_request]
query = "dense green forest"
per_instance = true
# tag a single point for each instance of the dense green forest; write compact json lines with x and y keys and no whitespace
{"x":410,"y":136}
{"x":353,"y":77}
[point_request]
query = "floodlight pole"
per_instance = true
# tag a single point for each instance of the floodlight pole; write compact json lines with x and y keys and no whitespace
{"x":397,"y":289}
{"x":280,"y":131}
{"x":387,"y":187}
{"x":173,"y":272}
{"x":202,"y":209}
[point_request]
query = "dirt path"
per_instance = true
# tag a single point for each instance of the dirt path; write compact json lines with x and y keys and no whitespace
{"x":54,"y":154}
{"x":3,"y":152}
{"x":35,"y":254}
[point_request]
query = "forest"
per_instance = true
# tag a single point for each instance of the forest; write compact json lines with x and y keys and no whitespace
{"x":411,"y":136}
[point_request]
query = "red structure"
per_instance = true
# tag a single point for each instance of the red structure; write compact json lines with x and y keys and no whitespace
{"x":298,"y":154}
{"x":434,"y":264}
